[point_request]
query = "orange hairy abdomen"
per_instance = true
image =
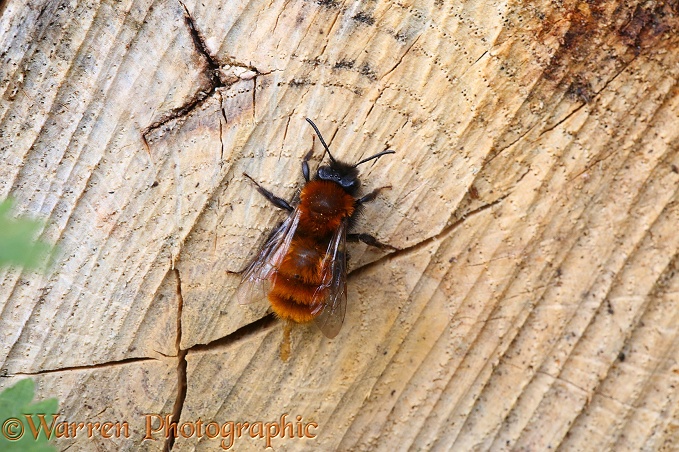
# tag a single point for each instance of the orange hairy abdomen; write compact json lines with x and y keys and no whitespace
{"x":295,"y":284}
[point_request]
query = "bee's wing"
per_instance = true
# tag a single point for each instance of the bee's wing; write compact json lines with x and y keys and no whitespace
{"x":256,"y":278}
{"x":330,"y":301}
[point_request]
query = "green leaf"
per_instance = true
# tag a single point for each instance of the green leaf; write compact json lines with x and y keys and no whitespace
{"x":15,"y":404}
{"x":18,"y":246}
{"x":20,"y":394}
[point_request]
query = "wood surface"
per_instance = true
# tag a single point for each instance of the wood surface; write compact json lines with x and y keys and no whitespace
{"x":533,"y":302}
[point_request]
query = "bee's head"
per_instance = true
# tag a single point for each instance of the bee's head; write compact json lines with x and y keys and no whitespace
{"x":341,"y":173}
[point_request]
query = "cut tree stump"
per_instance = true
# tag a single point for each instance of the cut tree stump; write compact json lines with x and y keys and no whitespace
{"x":532,"y":304}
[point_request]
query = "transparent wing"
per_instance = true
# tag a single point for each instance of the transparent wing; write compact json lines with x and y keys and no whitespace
{"x":330,"y":301}
{"x":256,"y":278}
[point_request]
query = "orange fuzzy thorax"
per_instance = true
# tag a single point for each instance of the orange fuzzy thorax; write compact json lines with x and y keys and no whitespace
{"x":323,"y":205}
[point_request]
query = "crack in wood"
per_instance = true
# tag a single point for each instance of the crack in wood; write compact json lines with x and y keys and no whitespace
{"x":400,"y":60}
{"x":84,"y":367}
{"x":492,"y":154}
{"x":254,"y":97}
{"x":479,"y":58}
{"x":241,"y":333}
{"x":459,"y":77}
{"x":372,"y":105}
{"x":205,"y":91}
{"x":221,"y":128}
{"x":182,"y":383}
{"x":564,"y":119}
{"x":586,"y":101}
{"x":423,"y":243}
{"x":589,"y":99}
{"x":589,"y":393}
{"x":201,"y":47}
{"x":285,"y":132}
{"x":212,"y":73}
{"x":178,"y":112}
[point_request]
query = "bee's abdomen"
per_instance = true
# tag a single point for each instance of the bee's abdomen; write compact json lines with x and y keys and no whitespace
{"x":296,"y":283}
{"x":288,"y":308}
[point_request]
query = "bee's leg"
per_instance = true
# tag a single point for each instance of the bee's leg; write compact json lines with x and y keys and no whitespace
{"x":369,"y":240}
{"x":275,"y":200}
{"x":372,"y":195}
{"x":305,"y":164}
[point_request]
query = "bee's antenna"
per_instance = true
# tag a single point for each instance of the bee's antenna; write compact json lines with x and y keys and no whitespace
{"x":378,"y":155}
{"x":321,"y":138}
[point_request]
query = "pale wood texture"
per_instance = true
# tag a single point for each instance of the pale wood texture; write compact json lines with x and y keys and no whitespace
{"x":533,"y":303}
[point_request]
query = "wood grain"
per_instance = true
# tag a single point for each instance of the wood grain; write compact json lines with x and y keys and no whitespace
{"x":532,"y":303}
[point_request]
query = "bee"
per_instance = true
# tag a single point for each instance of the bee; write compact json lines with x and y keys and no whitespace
{"x":302,"y":267}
